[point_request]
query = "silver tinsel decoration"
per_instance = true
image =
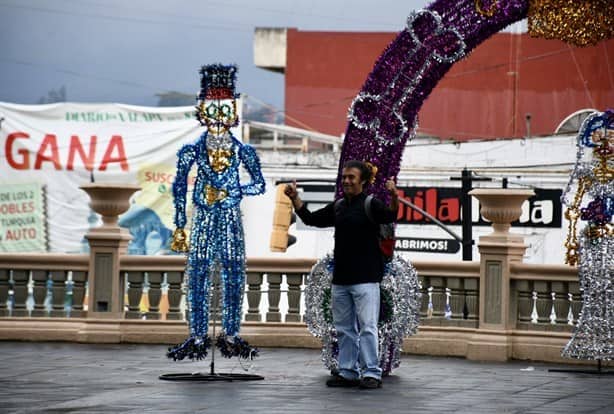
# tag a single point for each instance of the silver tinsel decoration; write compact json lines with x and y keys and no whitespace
{"x":593,"y":337}
{"x":399,"y":310}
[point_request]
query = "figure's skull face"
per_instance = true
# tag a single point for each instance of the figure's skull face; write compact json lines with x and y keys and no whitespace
{"x":603,"y":141}
{"x":218,"y":115}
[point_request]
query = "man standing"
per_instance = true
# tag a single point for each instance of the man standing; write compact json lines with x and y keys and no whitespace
{"x":359,"y":268}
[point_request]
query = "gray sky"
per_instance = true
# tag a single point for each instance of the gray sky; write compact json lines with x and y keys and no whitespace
{"x":128,"y":50}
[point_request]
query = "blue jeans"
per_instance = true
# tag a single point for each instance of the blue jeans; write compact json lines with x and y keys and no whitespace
{"x":355,"y":315}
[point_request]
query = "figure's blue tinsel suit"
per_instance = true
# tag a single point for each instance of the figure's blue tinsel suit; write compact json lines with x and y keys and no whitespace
{"x":217,"y":245}
{"x":217,"y":232}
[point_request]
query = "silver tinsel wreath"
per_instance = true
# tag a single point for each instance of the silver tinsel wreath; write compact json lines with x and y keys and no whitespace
{"x":399,"y":312}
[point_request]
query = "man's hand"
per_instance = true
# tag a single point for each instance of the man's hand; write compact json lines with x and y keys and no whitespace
{"x":292,"y":194}
{"x":391,"y":187}
{"x":291,"y":190}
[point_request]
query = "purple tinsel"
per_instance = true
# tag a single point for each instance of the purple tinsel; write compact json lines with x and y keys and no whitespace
{"x":597,"y":211}
{"x":384,"y":114}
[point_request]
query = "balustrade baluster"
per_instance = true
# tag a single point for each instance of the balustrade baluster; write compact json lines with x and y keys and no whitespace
{"x":576,"y":304}
{"x":78,"y":294}
{"x":174,"y":280}
{"x":20,"y":292}
{"x":457,"y":296}
{"x":154,"y":294}
{"x":424,"y":306}
{"x":39,"y":292}
{"x":58,"y":293}
{"x":552,"y":309}
{"x":544,"y":301}
{"x":471,"y":286}
{"x":274,"y":281}
{"x":525,"y":302}
{"x":4,"y":291}
{"x":439,"y":296}
{"x":254,"y":296}
{"x":294,"y":297}
{"x":561,"y":304}
{"x":135,"y":293}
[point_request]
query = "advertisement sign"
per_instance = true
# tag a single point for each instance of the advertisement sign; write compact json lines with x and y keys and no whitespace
{"x":62,"y":146}
{"x":22,"y":218}
{"x":410,"y":244}
{"x":544,"y":209}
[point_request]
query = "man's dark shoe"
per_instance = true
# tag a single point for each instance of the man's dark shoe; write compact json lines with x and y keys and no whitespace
{"x":370,"y":382}
{"x":339,"y":381}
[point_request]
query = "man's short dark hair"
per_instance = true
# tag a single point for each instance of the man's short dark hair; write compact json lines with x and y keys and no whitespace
{"x":365,"y":172}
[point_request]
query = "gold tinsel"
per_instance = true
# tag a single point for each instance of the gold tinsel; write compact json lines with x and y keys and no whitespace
{"x":213,"y":195}
{"x":219,"y":159}
{"x":373,"y":169}
{"x":180,"y":241}
{"x":486,"y":11}
{"x":577,"y":22}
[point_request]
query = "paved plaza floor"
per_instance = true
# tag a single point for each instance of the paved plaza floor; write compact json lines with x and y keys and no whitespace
{"x":85,"y":378}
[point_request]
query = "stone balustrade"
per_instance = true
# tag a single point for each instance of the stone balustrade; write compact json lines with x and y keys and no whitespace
{"x":498,"y":308}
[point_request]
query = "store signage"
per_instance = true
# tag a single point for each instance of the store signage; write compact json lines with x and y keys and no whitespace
{"x":444,"y":203}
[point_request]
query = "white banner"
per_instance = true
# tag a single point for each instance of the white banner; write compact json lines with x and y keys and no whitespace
{"x":48,"y":151}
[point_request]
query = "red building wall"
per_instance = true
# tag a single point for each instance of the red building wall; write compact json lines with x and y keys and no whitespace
{"x":485,"y":95}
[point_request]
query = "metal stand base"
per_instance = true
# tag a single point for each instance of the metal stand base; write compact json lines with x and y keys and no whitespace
{"x":598,"y":371}
{"x":212,"y":376}
{"x":197,"y":376}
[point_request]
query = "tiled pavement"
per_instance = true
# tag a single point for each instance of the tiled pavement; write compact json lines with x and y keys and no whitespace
{"x":79,"y":378}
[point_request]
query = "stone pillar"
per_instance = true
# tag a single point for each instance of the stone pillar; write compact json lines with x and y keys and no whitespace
{"x":274,"y":281}
{"x":4,"y":291}
{"x":155,"y":294}
{"x":174,"y":280}
{"x":78,"y":294}
{"x":294,"y":297}
{"x":135,"y":294}
{"x":497,"y":314}
{"x":39,"y":292}
{"x":107,"y":244}
{"x":254,"y":295}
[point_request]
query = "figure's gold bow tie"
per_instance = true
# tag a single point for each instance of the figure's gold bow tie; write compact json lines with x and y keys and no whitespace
{"x":219,"y":159}
{"x":594,"y":232}
{"x":213,"y":194}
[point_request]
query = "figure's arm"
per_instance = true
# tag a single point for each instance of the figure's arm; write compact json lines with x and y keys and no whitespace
{"x":248,"y":156}
{"x":185,"y":159}
{"x":572,"y":214}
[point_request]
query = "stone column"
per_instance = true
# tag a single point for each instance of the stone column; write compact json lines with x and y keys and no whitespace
{"x":274,"y":281}
{"x":107,"y":244}
{"x":493,"y":340}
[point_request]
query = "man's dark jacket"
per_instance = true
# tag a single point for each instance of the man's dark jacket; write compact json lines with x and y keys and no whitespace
{"x":358,"y":258}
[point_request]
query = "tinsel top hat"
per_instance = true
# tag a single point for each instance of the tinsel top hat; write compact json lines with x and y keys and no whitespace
{"x":217,"y":81}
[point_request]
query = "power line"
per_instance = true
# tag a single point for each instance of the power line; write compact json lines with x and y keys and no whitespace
{"x":127,"y":19}
{"x":75,"y":73}
{"x":584,"y":83}
{"x":208,"y":4}
{"x":149,"y":10}
{"x":298,"y":122}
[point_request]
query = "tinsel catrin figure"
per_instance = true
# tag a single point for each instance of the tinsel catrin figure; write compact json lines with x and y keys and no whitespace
{"x":593,"y":251}
{"x":217,"y":244}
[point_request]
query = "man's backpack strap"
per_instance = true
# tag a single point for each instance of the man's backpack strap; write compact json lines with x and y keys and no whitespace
{"x":368,"y":212}
{"x":337,"y":204}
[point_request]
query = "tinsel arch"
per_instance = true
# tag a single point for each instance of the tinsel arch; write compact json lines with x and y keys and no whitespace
{"x":384,"y":114}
